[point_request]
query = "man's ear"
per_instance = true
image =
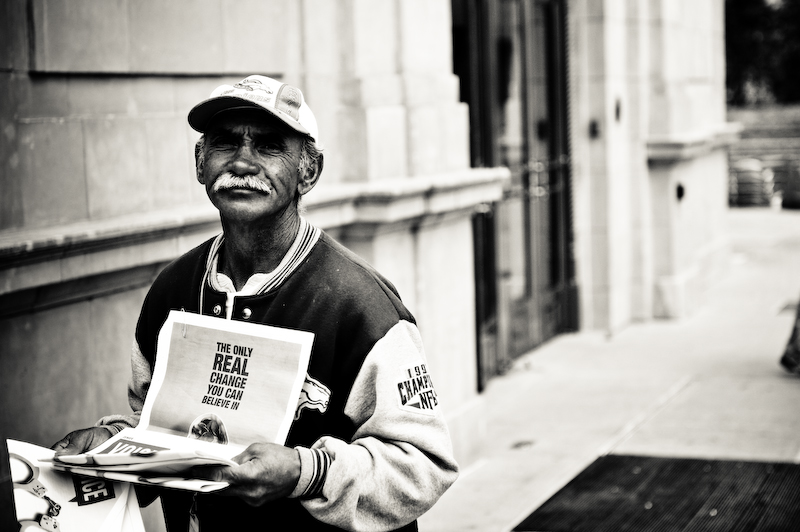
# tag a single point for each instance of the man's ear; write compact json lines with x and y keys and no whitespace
{"x":199,"y":159}
{"x":310,"y":177}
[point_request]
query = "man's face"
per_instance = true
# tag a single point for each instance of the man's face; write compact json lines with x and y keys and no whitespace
{"x":250,"y":167}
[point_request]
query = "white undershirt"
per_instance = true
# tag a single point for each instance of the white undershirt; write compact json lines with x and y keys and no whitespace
{"x":223,"y":283}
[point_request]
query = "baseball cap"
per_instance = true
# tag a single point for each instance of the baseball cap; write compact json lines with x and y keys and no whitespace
{"x":281,"y":100}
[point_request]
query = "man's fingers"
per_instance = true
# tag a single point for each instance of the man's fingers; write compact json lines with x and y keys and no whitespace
{"x":245,"y":456}
{"x":255,"y":450}
{"x":266,"y":471}
{"x":63,"y":443}
{"x":80,"y":441}
{"x":214,"y":473}
{"x":68,"y":445}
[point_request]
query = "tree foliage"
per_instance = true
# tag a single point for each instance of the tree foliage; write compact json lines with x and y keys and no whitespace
{"x":762,"y":48}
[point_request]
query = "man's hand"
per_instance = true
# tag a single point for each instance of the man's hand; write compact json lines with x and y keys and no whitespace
{"x":266,"y":472}
{"x":82,"y":440}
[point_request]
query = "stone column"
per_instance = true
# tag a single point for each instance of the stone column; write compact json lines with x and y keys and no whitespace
{"x":688,"y":166}
{"x":398,"y":143}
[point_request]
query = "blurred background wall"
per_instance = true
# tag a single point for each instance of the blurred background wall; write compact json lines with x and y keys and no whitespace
{"x":518,"y":168}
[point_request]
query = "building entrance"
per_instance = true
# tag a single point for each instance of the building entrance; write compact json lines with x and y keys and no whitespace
{"x":511,"y":59}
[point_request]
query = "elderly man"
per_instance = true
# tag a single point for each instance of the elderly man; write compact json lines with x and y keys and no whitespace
{"x":359,"y":457}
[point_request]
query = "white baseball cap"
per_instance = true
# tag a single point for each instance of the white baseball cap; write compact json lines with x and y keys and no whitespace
{"x":283,"y":101}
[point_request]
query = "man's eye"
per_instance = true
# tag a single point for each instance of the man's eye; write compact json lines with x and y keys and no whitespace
{"x":270,"y":145}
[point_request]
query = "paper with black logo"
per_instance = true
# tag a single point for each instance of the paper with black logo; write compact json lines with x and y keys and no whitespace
{"x":218,"y":386}
{"x":47,"y":499}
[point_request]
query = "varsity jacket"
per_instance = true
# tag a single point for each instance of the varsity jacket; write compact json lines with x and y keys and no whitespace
{"x":375,"y":450}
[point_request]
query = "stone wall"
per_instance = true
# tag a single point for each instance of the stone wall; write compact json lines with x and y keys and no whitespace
{"x":648,"y":114}
{"x":99,"y":190}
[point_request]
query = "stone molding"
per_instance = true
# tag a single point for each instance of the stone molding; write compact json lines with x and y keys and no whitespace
{"x":672,"y":149}
{"x":33,"y":258}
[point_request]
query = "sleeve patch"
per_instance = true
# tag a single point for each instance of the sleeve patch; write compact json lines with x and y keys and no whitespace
{"x":415,"y":391}
{"x":313,"y":396}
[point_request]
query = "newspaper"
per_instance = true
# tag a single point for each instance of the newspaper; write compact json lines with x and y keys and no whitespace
{"x":46,"y":499}
{"x":218,"y":386}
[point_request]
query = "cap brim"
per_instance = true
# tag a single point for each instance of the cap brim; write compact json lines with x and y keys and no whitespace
{"x":202,"y":113}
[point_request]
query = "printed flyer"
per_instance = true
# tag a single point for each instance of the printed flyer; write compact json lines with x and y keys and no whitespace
{"x":46,"y":499}
{"x":218,"y":386}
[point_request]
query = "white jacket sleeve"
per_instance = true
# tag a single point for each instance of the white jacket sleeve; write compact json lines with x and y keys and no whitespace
{"x":400,"y":460}
{"x":137,"y":391}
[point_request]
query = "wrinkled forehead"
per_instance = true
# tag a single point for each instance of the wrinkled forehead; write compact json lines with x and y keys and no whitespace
{"x":249,"y":121}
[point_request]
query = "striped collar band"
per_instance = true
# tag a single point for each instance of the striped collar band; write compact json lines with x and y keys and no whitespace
{"x":303,"y":243}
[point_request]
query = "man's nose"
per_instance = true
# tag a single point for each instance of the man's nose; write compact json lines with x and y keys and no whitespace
{"x":244,"y":161}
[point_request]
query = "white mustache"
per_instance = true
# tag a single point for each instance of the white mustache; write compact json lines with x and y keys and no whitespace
{"x":229,"y":180}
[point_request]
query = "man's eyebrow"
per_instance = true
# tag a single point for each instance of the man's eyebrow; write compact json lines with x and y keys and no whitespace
{"x":221,"y":133}
{"x":273,"y":137}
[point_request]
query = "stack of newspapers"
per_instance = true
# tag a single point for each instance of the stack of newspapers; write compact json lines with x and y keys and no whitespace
{"x":42,"y":498}
{"x":149,"y":457}
{"x":217,"y":387}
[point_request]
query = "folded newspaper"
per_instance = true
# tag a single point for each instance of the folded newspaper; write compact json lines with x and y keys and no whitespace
{"x":218,"y":386}
{"x":42,"y":498}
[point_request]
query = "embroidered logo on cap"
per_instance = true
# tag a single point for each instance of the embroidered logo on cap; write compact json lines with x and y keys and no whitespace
{"x":415,"y":391}
{"x":283,"y":101}
{"x":251,"y":84}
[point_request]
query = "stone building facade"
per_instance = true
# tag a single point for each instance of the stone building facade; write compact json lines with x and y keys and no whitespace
{"x":651,"y":190}
{"x":99,"y":191}
{"x":98,"y":187}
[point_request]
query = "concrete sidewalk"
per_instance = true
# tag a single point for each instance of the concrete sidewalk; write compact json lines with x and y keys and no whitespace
{"x":709,"y":386}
